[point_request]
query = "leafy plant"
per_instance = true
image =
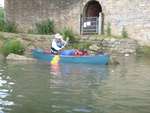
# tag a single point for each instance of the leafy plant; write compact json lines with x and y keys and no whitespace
{"x":1,"y":19}
{"x":12,"y":46}
{"x":45,"y":27}
{"x":6,"y":26}
{"x":124,"y":33}
{"x":10,"y":27}
{"x":67,"y":32}
{"x":108,"y":30}
{"x":81,"y":45}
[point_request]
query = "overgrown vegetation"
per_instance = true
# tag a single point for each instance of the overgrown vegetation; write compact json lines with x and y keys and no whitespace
{"x":6,"y":26}
{"x":68,"y":33}
{"x":108,"y":33}
{"x":108,"y":30}
{"x":1,"y":19}
{"x":74,"y":42}
{"x":12,"y":46}
{"x":10,"y":27}
{"x":45,"y":27}
{"x":81,"y":45}
{"x":124,"y":33}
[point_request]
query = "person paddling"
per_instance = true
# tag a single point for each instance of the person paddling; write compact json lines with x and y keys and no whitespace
{"x":58,"y":44}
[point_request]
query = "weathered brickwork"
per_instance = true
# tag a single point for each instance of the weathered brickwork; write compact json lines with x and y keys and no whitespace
{"x":27,"y":12}
{"x":134,"y":15}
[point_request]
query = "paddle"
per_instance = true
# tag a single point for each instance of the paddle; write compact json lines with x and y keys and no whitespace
{"x":56,"y":58}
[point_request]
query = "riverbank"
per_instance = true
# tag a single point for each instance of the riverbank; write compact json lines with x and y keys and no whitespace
{"x":95,"y":43}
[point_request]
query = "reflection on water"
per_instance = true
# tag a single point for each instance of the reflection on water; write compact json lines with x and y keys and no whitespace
{"x":5,"y":90}
{"x":75,"y":88}
{"x":55,"y":69}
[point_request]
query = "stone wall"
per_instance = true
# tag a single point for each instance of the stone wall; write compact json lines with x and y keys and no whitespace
{"x":132,"y":14}
{"x":115,"y":46}
{"x":28,"y":12}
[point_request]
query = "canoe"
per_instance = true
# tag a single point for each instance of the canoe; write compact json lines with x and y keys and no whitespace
{"x":88,"y":59}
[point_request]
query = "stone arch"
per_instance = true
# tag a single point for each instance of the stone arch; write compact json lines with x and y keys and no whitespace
{"x":92,"y":9}
{"x":92,"y":18}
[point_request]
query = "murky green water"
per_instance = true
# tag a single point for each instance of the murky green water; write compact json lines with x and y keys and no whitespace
{"x":75,"y":88}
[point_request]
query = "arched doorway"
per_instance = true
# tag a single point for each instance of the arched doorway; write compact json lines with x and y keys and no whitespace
{"x":91,"y":20}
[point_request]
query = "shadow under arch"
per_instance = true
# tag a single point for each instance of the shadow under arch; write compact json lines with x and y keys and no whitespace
{"x":92,"y":9}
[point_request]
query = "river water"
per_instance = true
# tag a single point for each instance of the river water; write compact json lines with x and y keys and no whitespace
{"x":37,"y":87}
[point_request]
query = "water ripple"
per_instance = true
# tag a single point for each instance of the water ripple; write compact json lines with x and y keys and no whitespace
{"x":124,"y":88}
{"x":5,"y":89}
{"x":83,"y":110}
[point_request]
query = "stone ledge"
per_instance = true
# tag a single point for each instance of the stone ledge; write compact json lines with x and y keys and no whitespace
{"x":16,"y":57}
